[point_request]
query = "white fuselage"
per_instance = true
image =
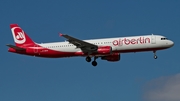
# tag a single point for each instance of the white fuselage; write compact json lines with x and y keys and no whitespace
{"x":119,"y":44}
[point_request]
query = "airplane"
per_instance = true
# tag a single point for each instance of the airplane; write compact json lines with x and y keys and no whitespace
{"x":109,"y":49}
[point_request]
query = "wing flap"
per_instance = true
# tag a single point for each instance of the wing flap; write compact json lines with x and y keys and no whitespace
{"x":85,"y":46}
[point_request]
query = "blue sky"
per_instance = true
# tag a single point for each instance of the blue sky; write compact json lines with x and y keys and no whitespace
{"x":134,"y":78}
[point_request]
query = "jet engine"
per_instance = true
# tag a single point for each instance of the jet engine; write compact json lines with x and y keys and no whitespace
{"x":112,"y":58}
{"x":104,"y":50}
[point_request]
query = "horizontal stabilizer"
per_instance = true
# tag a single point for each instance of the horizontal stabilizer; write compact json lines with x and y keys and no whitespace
{"x":15,"y":47}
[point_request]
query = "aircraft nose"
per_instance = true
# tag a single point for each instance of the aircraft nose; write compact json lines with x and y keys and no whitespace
{"x":171,"y":43}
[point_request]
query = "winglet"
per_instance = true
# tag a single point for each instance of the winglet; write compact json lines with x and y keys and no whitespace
{"x":60,"y":34}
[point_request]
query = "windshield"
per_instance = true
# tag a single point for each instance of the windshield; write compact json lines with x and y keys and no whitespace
{"x":164,"y":38}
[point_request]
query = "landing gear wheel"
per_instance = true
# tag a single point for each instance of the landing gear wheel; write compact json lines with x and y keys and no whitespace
{"x":88,"y":59}
{"x":94,"y":63}
{"x":155,"y":57}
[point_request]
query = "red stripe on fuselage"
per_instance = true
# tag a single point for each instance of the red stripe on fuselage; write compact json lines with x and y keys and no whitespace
{"x":48,"y":53}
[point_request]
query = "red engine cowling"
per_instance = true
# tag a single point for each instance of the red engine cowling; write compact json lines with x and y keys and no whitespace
{"x":113,"y":57}
{"x":104,"y":50}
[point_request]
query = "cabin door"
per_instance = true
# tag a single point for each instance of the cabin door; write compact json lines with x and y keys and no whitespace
{"x":153,"y":39}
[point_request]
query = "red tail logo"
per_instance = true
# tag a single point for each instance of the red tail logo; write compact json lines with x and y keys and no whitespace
{"x":20,"y":37}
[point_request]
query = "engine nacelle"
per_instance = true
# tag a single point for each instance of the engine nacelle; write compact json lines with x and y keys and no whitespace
{"x":104,"y":50}
{"x":113,"y":57}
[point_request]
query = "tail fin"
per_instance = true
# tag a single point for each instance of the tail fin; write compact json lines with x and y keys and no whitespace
{"x":20,"y":37}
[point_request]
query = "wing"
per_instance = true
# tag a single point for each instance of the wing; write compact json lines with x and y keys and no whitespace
{"x":85,"y":46}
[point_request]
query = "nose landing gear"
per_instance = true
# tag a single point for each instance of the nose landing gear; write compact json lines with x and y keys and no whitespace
{"x":155,"y":56}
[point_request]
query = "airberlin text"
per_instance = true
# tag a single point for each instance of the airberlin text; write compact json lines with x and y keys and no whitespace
{"x":129,"y":41}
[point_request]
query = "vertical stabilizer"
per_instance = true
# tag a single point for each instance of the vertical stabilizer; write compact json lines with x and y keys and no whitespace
{"x":20,"y":37}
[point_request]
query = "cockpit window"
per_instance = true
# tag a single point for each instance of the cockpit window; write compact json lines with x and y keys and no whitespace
{"x":164,"y":38}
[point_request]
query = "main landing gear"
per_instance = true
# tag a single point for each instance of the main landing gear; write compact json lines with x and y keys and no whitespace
{"x":94,"y":63}
{"x":155,"y":56}
{"x":88,"y":59}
